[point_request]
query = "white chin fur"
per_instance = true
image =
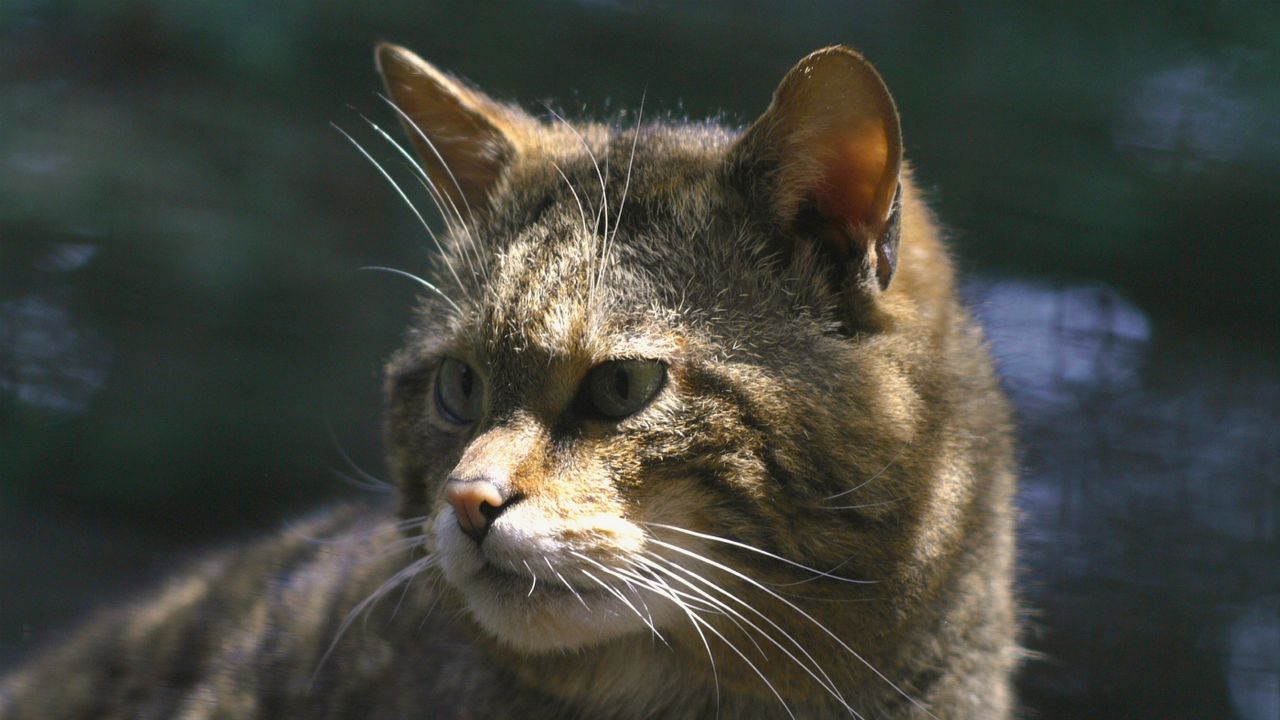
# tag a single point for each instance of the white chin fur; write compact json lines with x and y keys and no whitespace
{"x":549,"y":618}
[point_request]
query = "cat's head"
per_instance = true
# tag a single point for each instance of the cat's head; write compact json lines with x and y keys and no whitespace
{"x":659,"y":357}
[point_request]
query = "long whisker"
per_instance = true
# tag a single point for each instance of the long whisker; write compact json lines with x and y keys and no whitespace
{"x":533,"y":575}
{"x":587,"y":232}
{"x":694,"y":602}
{"x":700,"y":596}
{"x":581,"y":210}
{"x":626,"y":186}
{"x":432,"y":192}
{"x":412,"y":207}
{"x":639,"y":596}
{"x":440,"y":158}
{"x":404,"y":543}
{"x":647,"y":621}
{"x":862,"y":506}
{"x":754,"y":549}
{"x":566,"y":583}
{"x":746,"y":660}
{"x":360,"y":483}
{"x":449,"y":217}
{"x":365,"y":481}
{"x":407,"y":573}
{"x":411,"y":521}
{"x":834,"y":601}
{"x":352,"y":536}
{"x":621,"y":598}
{"x":396,"y":611}
{"x":825,"y":681}
{"x":439,"y":199}
{"x":805,"y":615}
{"x":871,"y":479}
{"x":418,"y":280}
{"x":435,"y":602}
{"x":660,"y":586}
{"x":604,"y":194}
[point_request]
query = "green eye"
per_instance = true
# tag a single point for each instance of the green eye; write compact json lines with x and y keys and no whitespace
{"x":617,"y":389}
{"x":459,"y":392}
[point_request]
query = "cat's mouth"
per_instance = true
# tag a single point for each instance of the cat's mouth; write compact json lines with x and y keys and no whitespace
{"x":538,"y":613}
{"x":507,"y":582}
{"x":537,"y":593}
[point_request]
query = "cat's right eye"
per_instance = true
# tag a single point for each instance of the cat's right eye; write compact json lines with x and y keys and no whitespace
{"x":459,"y":392}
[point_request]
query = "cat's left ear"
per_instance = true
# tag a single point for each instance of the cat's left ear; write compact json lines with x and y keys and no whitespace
{"x":826,"y":157}
{"x":466,"y":141}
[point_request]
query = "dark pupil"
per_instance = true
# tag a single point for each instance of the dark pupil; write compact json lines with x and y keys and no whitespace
{"x":465,"y":381}
{"x":621,"y":383}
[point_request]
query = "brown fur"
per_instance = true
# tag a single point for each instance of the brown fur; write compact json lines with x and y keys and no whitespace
{"x":828,"y":401}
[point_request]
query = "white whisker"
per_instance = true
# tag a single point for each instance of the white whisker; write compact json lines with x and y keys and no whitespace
{"x":568,"y":586}
{"x":453,"y":222}
{"x":824,"y":681}
{"x":349,"y":536}
{"x":604,"y":193}
{"x":365,"y":481}
{"x":412,"y":207}
{"x":879,"y":503}
{"x":440,"y":158}
{"x":746,"y":660}
{"x":701,"y":596}
{"x":661,"y":587}
{"x":647,"y":621}
{"x":803,"y":614}
{"x":581,"y":210}
{"x":870,"y":480}
{"x":626,"y":186}
{"x":417,"y":279}
{"x":406,"y":573}
{"x":754,"y":549}
{"x":621,"y":598}
{"x":360,"y":483}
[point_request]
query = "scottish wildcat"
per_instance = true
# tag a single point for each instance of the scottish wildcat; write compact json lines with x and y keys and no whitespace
{"x":690,"y":424}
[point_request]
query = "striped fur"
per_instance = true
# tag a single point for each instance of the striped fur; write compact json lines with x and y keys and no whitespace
{"x":811,"y":518}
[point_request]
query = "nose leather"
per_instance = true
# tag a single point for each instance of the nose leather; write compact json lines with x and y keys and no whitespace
{"x":476,"y":503}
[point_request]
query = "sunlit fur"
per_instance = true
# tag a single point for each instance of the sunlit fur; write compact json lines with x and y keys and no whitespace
{"x":811,"y":518}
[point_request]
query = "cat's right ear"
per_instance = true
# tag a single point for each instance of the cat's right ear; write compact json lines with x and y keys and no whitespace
{"x":465,"y":140}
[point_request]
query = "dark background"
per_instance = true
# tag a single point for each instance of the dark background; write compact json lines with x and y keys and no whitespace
{"x":186,"y":350}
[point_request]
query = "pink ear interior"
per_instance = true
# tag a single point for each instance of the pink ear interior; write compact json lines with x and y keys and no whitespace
{"x":833,"y":131}
{"x":852,"y":189}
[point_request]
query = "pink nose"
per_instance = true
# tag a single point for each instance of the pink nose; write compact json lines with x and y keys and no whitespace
{"x":476,"y":504}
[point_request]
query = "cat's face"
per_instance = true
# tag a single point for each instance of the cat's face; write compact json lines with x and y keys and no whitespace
{"x":637,"y":394}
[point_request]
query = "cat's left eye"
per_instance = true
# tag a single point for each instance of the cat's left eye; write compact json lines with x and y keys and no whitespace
{"x":621,"y":387}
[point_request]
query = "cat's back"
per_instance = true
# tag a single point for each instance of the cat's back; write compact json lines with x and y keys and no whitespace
{"x":319,"y":620}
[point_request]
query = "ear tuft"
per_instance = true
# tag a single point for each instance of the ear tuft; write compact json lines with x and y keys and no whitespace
{"x":830,"y":143}
{"x":464,"y":139}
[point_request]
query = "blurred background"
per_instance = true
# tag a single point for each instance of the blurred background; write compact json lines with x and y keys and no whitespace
{"x":187,"y":352}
